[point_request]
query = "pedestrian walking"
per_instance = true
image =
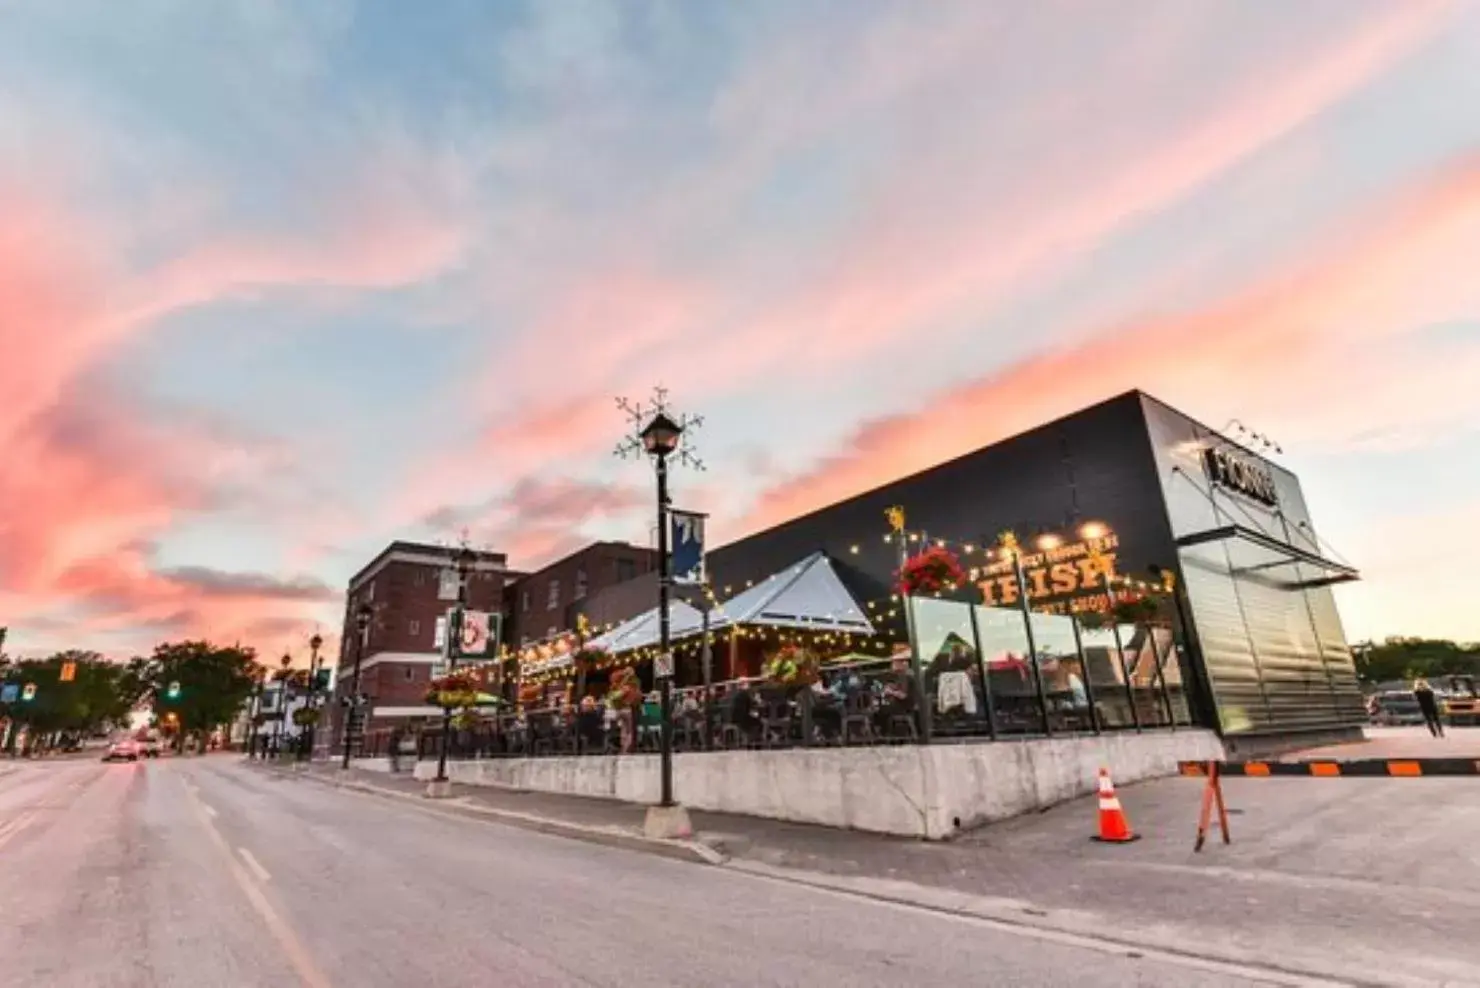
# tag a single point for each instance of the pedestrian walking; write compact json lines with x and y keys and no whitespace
{"x":1429,"y":704}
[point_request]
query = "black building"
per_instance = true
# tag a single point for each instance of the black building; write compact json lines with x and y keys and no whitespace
{"x":1265,"y":655}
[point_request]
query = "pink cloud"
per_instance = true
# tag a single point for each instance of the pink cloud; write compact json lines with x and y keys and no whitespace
{"x":1293,"y":346}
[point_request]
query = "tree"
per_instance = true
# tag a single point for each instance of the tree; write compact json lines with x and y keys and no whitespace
{"x":214,"y":683}
{"x":1415,"y":658}
{"x":98,"y":695}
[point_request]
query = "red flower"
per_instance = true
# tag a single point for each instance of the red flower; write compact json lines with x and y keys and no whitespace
{"x":932,"y":571}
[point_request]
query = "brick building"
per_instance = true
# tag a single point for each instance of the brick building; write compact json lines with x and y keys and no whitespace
{"x":409,"y":586}
{"x":547,"y":601}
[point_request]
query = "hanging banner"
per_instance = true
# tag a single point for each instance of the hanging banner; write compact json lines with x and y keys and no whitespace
{"x":686,"y":541}
{"x":479,"y":635}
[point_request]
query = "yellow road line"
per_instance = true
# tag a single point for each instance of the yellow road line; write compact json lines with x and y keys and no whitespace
{"x":296,"y":954}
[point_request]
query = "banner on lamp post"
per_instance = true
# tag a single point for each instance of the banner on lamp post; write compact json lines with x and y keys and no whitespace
{"x":479,"y":634}
{"x":686,"y":541}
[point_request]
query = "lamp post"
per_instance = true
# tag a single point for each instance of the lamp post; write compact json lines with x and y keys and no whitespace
{"x":352,"y":702}
{"x":463,"y":559}
{"x":659,"y":437}
{"x":314,"y":644}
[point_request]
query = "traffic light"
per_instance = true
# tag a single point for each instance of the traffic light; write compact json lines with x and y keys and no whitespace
{"x":174,"y":691}
{"x":28,"y":692}
{"x":68,"y":673}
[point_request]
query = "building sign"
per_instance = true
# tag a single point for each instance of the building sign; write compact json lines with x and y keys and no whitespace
{"x":687,"y":546}
{"x":447,"y":584}
{"x":1070,"y":578}
{"x":479,"y":634}
{"x":1240,"y":474}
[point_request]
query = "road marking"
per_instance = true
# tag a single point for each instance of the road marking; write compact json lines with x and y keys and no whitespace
{"x":254,"y":864}
{"x":296,"y":955}
{"x":14,"y":826}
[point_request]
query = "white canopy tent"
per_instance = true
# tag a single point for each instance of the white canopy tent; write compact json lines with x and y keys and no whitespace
{"x":808,"y":595}
{"x":642,"y":631}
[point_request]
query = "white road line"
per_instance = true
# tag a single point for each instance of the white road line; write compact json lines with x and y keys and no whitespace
{"x":254,"y":864}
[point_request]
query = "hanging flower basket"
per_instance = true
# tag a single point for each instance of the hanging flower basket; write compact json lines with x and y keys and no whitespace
{"x":468,"y":720}
{"x":793,"y":666}
{"x":306,"y":716}
{"x":589,"y":658}
{"x":1137,"y":609}
{"x":1093,"y":620}
{"x":936,"y":570}
{"x":454,"y":691}
{"x":625,"y":692}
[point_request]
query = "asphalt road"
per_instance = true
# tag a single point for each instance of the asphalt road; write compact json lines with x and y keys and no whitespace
{"x":204,"y":872}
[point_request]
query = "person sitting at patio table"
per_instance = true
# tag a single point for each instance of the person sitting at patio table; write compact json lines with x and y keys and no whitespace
{"x":742,"y":711}
{"x":827,"y":710}
{"x":901,"y":697}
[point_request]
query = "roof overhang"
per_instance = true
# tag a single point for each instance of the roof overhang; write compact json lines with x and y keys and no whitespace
{"x":1274,"y":554}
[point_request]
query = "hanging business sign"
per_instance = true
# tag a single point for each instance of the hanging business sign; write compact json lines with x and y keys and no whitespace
{"x":479,"y":634}
{"x":686,"y":546}
{"x":1240,"y":474}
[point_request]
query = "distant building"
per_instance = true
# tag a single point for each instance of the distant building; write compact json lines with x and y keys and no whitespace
{"x":410,"y":586}
{"x":546,"y":602}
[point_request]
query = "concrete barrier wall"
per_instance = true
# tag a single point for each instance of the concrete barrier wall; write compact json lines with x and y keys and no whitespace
{"x":929,"y":791}
{"x":374,"y":764}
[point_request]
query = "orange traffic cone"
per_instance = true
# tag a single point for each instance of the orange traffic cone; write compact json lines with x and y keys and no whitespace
{"x":1114,"y":827}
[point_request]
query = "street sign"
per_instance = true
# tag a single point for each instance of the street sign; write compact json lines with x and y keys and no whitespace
{"x":10,"y":692}
{"x":29,"y":693}
{"x":68,"y":673}
{"x":663,"y":665}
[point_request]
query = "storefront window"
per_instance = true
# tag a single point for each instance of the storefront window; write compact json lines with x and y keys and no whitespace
{"x":1106,"y":677}
{"x":1142,"y":662}
{"x":1062,"y":669}
{"x":948,"y":660}
{"x":1171,"y":672}
{"x":1004,"y":645}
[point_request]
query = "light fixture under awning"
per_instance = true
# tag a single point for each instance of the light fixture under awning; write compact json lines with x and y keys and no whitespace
{"x":1269,"y":555}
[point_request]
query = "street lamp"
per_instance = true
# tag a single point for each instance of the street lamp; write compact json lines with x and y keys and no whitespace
{"x":363,"y":614}
{"x":314,"y":644}
{"x":660,"y":438}
{"x":463,"y":559}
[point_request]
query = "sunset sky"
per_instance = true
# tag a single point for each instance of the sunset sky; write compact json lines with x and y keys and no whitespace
{"x":282,"y":281}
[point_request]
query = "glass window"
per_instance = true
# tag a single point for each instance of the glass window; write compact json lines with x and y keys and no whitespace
{"x":447,"y":584}
{"x":1171,"y":674}
{"x":1141,"y":662}
{"x":1062,"y":669}
{"x":1103,"y":662}
{"x":580,"y":588}
{"x":413,"y":628}
{"x":552,"y":600}
{"x":1004,"y":645}
{"x":626,"y":569}
{"x":950,"y":670}
{"x":524,"y":600}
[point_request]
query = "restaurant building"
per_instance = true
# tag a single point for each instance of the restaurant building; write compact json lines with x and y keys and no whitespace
{"x":1126,"y":488}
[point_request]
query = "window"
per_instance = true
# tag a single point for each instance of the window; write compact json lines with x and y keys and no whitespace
{"x":552,"y":631}
{"x":447,"y":584}
{"x":410,"y":674}
{"x":420,"y":579}
{"x":580,"y":590}
{"x":626,"y":569}
{"x":553,"y":600}
{"x":413,"y":628}
{"x":439,"y":634}
{"x":370,"y":590}
{"x":524,"y":600}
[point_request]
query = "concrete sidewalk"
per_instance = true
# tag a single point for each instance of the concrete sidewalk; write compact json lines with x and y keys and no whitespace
{"x":1400,"y":742}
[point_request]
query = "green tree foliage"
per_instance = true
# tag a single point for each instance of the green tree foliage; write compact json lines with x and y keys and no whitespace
{"x":99,"y":696}
{"x":1414,"y":658}
{"x":215,"y":682}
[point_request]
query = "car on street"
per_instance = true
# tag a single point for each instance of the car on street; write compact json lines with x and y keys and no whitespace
{"x":125,"y":750}
{"x":149,"y":747}
{"x":1394,"y":708}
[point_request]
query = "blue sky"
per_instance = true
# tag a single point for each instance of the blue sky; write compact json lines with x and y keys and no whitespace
{"x":283,"y":281}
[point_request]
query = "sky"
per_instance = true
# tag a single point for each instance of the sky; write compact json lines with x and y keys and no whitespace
{"x":282,"y":281}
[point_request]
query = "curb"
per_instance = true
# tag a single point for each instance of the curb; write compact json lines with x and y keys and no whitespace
{"x":692,"y":851}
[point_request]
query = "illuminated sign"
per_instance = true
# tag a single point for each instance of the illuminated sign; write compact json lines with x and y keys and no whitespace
{"x":1241,"y":475}
{"x":1069,"y":577}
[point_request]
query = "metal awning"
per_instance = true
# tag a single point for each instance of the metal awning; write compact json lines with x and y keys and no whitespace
{"x":1272,"y":554}
{"x":808,"y":595}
